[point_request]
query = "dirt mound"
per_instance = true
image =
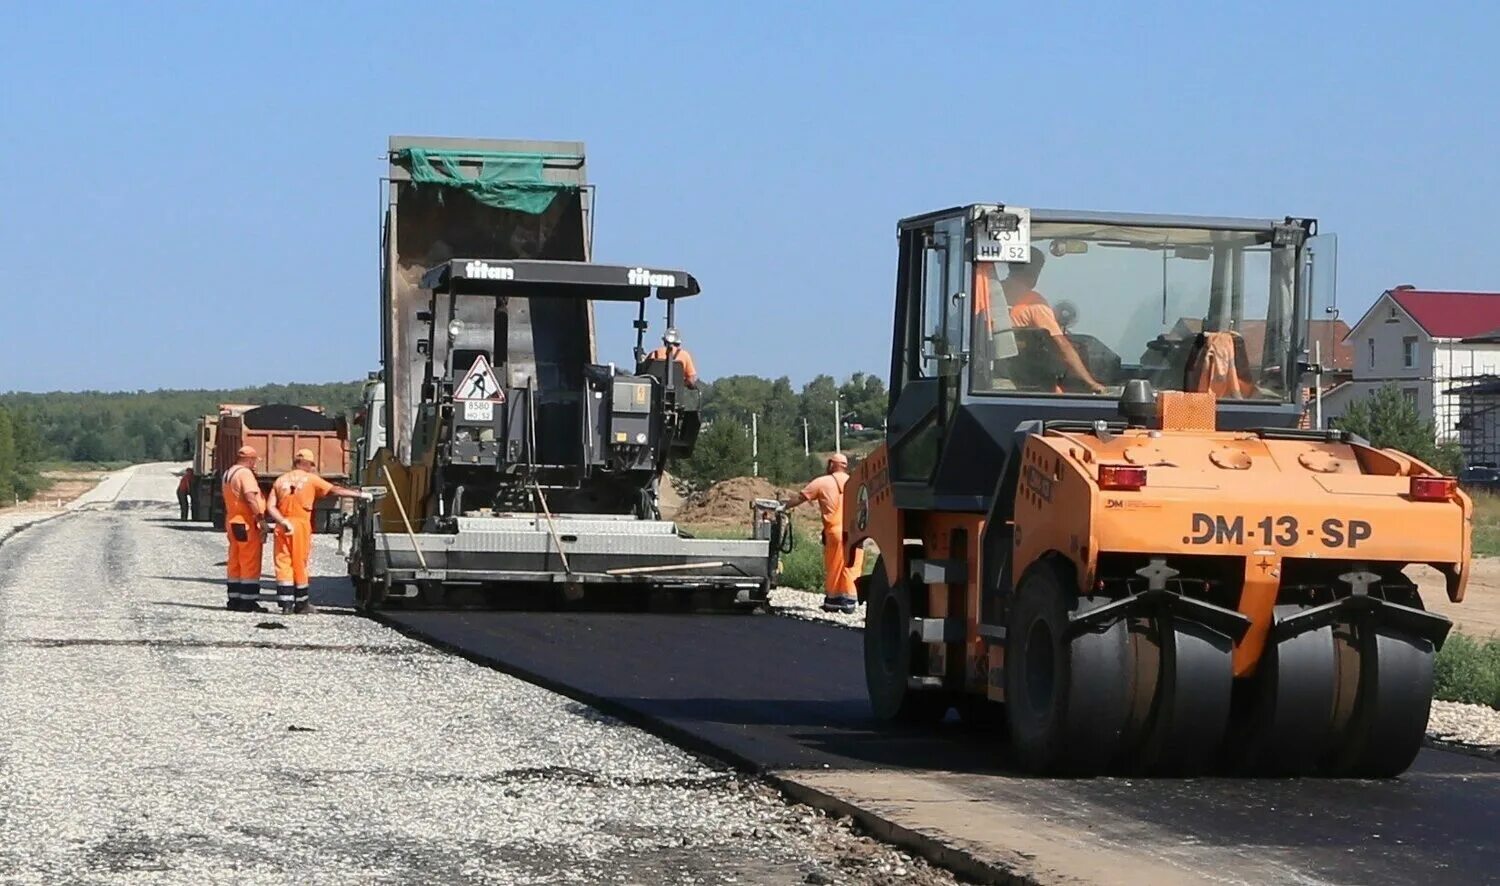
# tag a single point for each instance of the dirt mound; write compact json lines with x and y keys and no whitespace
{"x":728,"y":501}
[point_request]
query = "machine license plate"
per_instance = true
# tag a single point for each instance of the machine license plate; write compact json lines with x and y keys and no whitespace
{"x":479,"y":410}
{"x":1004,"y":236}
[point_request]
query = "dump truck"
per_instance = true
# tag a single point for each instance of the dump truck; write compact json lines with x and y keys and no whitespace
{"x":204,"y":490}
{"x":278,"y":431}
{"x":1100,"y":525}
{"x":517,"y":469}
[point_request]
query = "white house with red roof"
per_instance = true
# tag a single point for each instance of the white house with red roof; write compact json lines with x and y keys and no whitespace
{"x":1427,"y":343}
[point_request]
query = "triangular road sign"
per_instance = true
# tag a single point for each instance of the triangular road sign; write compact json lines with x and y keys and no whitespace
{"x":480,"y":383}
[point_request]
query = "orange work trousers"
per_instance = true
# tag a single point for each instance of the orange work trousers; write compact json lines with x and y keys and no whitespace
{"x":244,"y":553}
{"x":293,"y":550}
{"x":838,"y":579}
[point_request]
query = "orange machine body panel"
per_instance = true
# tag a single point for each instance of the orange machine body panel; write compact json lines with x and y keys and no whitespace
{"x":1264,"y":501}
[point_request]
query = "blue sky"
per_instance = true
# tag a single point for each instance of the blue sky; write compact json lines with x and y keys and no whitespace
{"x":189,"y":195}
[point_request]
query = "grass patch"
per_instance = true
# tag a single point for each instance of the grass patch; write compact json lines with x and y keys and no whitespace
{"x":1486,"y":524}
{"x":1468,"y":670}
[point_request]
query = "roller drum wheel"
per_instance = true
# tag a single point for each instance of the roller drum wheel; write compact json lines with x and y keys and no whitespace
{"x":1389,"y":718}
{"x":888,"y":657}
{"x":1191,"y":715}
{"x":1067,"y":700}
{"x":1288,"y":722}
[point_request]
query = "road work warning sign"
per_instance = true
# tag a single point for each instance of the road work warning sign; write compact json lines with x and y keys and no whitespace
{"x":480,"y":390}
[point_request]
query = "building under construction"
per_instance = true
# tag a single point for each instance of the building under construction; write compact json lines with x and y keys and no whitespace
{"x":1478,"y":422}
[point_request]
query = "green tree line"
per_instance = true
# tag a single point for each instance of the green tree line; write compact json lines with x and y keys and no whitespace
{"x":142,"y":426}
{"x":735,"y":404}
{"x":20,"y":456}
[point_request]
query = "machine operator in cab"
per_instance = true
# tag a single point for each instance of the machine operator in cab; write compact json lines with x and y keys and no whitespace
{"x":291,"y":508}
{"x":1029,"y":310}
{"x":672,"y":350}
{"x":828,"y":491}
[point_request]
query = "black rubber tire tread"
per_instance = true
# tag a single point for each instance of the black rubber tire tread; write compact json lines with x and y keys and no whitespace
{"x":1289,"y":728}
{"x":891,"y":699}
{"x":1076,"y":727}
{"x":1191,"y":718}
{"x":1390,"y":715}
{"x":1145,"y":679}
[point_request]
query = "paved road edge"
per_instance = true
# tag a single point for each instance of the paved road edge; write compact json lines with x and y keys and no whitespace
{"x":945,"y":855}
{"x":73,"y":506}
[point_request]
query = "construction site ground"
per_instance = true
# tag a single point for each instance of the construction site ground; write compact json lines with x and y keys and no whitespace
{"x":152,"y":735}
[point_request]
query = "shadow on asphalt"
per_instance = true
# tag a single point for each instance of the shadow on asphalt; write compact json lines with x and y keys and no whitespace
{"x":176,"y":526}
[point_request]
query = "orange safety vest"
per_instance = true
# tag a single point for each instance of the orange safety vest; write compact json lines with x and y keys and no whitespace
{"x":1218,"y":370}
{"x":236,"y":507}
{"x":680,"y":355}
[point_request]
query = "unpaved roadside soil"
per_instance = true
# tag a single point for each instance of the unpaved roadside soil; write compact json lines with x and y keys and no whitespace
{"x":1479,"y":614}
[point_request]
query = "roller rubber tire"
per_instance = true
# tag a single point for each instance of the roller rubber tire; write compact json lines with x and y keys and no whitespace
{"x":1289,"y":722}
{"x":1067,"y":701}
{"x":1191,"y":717}
{"x":888,"y":654}
{"x":1390,"y":713}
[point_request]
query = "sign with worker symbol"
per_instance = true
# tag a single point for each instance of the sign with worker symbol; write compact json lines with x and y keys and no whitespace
{"x":479,"y":391}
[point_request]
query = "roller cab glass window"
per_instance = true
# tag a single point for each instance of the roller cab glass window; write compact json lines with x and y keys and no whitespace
{"x":1096,"y":305}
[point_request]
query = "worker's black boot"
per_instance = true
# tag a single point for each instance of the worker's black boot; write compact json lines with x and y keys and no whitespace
{"x":303,"y":605}
{"x":250,"y":594}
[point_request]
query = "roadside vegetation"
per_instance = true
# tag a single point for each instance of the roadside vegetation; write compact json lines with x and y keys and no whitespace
{"x":1486,"y":524}
{"x":1468,"y":671}
{"x":20,"y":457}
{"x":778,"y":413}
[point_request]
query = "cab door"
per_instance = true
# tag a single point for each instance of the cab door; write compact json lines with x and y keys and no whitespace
{"x":928,"y":369}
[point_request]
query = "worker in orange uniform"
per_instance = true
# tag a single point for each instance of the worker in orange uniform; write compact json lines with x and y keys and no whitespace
{"x":244,"y":511}
{"x":185,"y":493}
{"x":1029,"y":310}
{"x":291,"y":507}
{"x":671,"y":349}
{"x":838,"y":576}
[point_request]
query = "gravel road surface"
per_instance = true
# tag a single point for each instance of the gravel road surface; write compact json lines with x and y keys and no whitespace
{"x":151,"y":736}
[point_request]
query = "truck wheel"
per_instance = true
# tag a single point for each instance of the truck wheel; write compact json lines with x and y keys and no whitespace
{"x":1066,"y":698}
{"x":888,"y":657}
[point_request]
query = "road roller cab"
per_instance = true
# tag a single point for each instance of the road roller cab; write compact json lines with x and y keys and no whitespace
{"x":1102,"y":519}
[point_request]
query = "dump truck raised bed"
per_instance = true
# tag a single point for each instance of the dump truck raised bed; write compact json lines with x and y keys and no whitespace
{"x":1099,"y":524}
{"x":277,"y":432}
{"x":517,"y":468}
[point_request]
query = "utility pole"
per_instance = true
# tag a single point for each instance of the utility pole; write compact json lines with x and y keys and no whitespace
{"x":754,"y":445}
{"x":806,"y":446}
{"x":838,"y":427}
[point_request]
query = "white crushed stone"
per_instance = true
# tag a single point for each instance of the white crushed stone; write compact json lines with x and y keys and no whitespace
{"x":793,"y":603}
{"x":151,"y":735}
{"x":1472,"y":725}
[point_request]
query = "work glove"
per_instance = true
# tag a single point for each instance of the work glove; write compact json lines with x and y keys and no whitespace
{"x":365,"y":495}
